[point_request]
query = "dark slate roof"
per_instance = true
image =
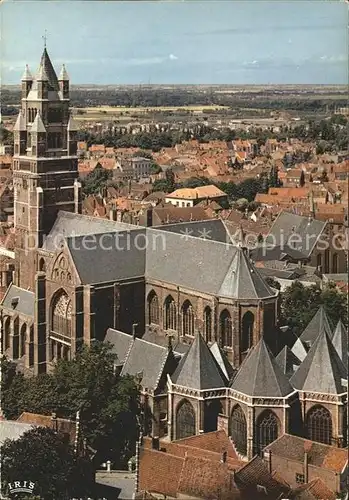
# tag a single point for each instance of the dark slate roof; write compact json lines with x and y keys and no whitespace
{"x":318,"y":324}
{"x":260,"y":375}
{"x":222,"y":360}
{"x":340,"y":341}
{"x":147,"y":360}
{"x":213,"y":229}
{"x":276,"y":273}
{"x":205,"y":265}
{"x":243,"y":280}
{"x":196,"y":264}
{"x":25,"y":303}
{"x":108,"y":257}
{"x":121,"y":343}
{"x":104,"y":251}
{"x":198,"y":368}
{"x":287,"y":361}
{"x":322,"y":370}
{"x":266,"y":252}
{"x":286,"y":224}
{"x":69,"y":224}
{"x":49,"y":70}
{"x":177,"y":347}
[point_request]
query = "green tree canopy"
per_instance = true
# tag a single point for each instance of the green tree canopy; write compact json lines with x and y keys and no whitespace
{"x":108,"y":403}
{"x":302,"y":179}
{"x":299,"y":304}
{"x":155,"y":168}
{"x":194,"y":182}
{"x":143,"y":154}
{"x":96,"y":181}
{"x":45,"y":458}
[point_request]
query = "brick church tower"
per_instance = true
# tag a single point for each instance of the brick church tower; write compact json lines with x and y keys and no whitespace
{"x":45,"y":165}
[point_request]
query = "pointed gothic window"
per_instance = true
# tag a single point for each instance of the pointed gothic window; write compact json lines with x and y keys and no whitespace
{"x":22,"y":340}
{"x":247,"y":331}
{"x":7,"y":332}
{"x":225,"y":325}
{"x":153,"y":308}
{"x":267,"y":429}
{"x":208,"y":324}
{"x":61,"y":315}
{"x":185,"y":420}
{"x":188,"y":319}
{"x":31,"y":346}
{"x":170,"y":314}
{"x":319,"y":424}
{"x":239,"y":430}
{"x":335,"y":263}
{"x":15,"y":350}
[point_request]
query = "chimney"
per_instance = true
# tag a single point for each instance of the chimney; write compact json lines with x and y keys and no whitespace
{"x":155,"y":443}
{"x":149,"y":221}
{"x":306,"y":460}
{"x":269,"y":461}
{"x":54,"y":422}
{"x":134,"y":326}
{"x":112,"y":213}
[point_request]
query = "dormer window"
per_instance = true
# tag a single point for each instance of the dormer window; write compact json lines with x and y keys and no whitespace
{"x":14,"y":302}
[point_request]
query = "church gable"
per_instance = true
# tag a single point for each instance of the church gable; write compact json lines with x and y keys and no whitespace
{"x":63,"y":271}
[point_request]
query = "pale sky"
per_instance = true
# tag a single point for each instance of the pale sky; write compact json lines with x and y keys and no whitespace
{"x":184,"y":42}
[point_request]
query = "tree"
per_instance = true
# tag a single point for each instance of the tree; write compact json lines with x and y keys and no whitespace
{"x":273,"y":283}
{"x":46,"y":458}
{"x":170,"y":179}
{"x":160,"y":185}
{"x":108,"y":403}
{"x":96,"y":181}
{"x":302,"y":179}
{"x":324,"y":176}
{"x":155,"y":168}
{"x":194,"y":182}
{"x":143,"y":154}
{"x":273,"y":177}
{"x":299,"y":304}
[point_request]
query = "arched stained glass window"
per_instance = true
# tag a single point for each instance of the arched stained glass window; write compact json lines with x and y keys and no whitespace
{"x":185,"y":420}
{"x":239,"y":430}
{"x":319,"y":424}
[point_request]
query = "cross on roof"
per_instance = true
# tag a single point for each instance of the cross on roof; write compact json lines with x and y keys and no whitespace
{"x":44,"y":37}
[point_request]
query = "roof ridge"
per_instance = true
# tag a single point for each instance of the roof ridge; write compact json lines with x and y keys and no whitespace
{"x":165,"y":354}
{"x":256,"y":365}
{"x":128,"y":352}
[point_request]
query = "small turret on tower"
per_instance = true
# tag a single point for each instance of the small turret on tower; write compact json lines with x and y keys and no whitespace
{"x":72,"y":136}
{"x":38,"y":137}
{"x":20,"y":134}
{"x":27,"y":82}
{"x":42,"y":82}
{"x":63,"y":82}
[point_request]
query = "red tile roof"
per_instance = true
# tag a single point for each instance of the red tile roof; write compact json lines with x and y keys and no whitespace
{"x":216,"y":441}
{"x":202,"y":478}
{"x":159,"y":472}
{"x":317,"y":489}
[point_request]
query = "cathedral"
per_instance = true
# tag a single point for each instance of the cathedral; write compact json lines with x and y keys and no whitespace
{"x":191,"y":314}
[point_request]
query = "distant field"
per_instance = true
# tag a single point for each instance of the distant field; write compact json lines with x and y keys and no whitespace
{"x":108,"y":111}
